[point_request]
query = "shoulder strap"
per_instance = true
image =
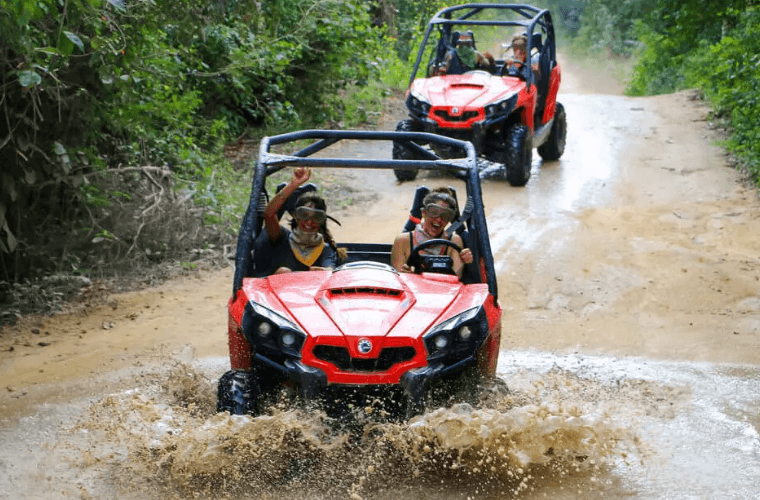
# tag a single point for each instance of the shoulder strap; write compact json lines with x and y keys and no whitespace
{"x":466,"y":212}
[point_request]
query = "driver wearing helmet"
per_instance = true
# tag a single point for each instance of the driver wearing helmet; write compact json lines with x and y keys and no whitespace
{"x":439,"y":208}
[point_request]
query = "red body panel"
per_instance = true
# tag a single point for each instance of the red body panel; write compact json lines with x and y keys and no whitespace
{"x":341,"y":308}
{"x":551,"y":97}
{"x":240,"y":349}
{"x":488,"y":357}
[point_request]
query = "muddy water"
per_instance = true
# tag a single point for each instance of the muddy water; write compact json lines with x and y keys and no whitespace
{"x":572,"y":426}
{"x":629,"y":276}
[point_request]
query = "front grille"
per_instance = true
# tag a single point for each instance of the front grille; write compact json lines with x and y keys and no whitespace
{"x":339,"y":357}
{"x":467,"y":115}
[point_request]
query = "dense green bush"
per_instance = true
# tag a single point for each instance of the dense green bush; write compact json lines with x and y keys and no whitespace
{"x":728,"y":73}
{"x":155,"y":88}
{"x":607,"y":27}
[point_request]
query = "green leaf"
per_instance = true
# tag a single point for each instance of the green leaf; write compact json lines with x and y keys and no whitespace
{"x":58,"y":148}
{"x":29,"y":78}
{"x":75,"y":39}
{"x":49,"y":50}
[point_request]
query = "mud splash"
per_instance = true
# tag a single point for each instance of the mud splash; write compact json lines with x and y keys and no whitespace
{"x":166,"y":440}
{"x":571,"y":426}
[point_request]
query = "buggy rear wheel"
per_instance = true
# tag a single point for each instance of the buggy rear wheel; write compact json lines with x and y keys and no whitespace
{"x":400,"y":152}
{"x":237,"y":393}
{"x":517,"y":157}
{"x":554,"y":146}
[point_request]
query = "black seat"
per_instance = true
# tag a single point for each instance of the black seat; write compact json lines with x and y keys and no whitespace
{"x":536,"y":41}
{"x":415,"y":214}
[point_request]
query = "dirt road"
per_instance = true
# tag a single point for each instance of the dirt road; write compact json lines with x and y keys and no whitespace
{"x":629,"y":275}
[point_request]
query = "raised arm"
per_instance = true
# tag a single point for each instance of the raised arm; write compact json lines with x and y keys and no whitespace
{"x":272,"y":222}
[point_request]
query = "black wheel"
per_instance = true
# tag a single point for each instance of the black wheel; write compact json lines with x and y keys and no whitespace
{"x":237,"y":393}
{"x":402,"y":153}
{"x":554,"y":146}
{"x":517,"y":157}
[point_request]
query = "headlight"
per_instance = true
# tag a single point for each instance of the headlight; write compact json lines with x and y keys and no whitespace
{"x":265,"y":329}
{"x":288,"y":339}
{"x":271,"y":333}
{"x":503,"y":106}
{"x":457,"y":337}
{"x":417,"y":103}
{"x":465,"y":333}
{"x":440,"y":341}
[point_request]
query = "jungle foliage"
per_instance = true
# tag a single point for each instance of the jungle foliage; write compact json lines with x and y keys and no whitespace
{"x":112,"y":108}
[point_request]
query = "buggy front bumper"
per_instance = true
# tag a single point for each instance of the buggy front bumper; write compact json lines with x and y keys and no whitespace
{"x":476,"y":134}
{"x":312,"y":381}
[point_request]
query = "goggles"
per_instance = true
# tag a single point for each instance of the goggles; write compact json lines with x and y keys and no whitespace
{"x":433,"y":211}
{"x":311,"y":214}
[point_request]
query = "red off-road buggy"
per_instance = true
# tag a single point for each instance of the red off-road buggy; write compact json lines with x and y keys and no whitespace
{"x":362,"y":334}
{"x":504,"y":109}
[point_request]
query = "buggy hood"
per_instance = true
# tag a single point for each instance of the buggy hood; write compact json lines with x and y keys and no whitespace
{"x":364,"y":302}
{"x":473,"y":90}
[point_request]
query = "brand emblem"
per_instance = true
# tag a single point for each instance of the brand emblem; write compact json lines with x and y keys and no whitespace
{"x":364,"y":346}
{"x":454,"y":111}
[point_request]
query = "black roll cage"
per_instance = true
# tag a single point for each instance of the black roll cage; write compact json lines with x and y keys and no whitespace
{"x":443,"y":21}
{"x":268,"y":163}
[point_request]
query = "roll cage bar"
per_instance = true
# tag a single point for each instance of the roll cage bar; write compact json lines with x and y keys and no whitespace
{"x":443,"y":21}
{"x":268,"y":163}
